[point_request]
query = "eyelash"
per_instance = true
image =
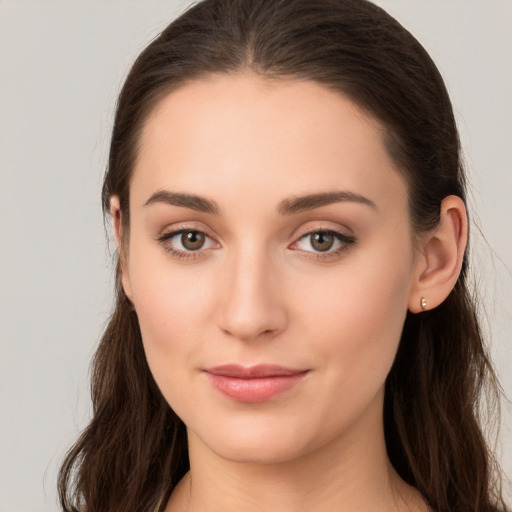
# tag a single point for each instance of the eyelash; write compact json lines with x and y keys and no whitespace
{"x":345,"y":240}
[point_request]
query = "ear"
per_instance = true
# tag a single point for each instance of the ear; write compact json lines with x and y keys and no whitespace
{"x":117,"y":221}
{"x":440,"y":257}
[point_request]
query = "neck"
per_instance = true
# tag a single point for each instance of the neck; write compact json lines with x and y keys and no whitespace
{"x":350,"y":473}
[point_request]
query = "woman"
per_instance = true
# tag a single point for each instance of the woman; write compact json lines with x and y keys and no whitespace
{"x":293,"y":328}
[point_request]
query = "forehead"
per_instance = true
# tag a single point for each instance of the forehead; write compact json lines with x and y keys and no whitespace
{"x":253,"y":138}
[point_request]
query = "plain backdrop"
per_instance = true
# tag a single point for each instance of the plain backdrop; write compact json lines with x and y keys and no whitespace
{"x":62,"y":63}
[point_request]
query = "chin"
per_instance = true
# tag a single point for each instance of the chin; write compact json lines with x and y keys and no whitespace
{"x":257,"y":442}
{"x":258,"y":451}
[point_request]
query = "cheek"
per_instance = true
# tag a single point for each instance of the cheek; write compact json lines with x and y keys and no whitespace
{"x":345,"y":319}
{"x":173,"y":308}
{"x":171,"y":314}
{"x":357,"y":314}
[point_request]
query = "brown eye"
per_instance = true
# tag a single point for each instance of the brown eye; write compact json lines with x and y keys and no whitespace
{"x":192,"y":240}
{"x":187,"y":243}
{"x":322,"y":241}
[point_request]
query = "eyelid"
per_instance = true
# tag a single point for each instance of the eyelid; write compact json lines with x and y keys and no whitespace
{"x":346,"y":240}
{"x":325,"y":226}
{"x":185,"y":226}
{"x":169,"y":233}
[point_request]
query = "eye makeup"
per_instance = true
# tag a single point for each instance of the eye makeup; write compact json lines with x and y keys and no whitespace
{"x":188,"y":242}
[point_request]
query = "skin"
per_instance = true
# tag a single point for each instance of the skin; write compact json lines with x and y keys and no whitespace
{"x":258,"y":291}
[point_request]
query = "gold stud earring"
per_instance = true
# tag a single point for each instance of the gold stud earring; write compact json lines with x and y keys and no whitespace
{"x":423,"y":303}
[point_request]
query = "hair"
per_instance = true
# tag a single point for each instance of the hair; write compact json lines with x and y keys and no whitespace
{"x":134,"y":451}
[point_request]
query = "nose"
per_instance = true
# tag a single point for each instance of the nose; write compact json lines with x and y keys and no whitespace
{"x":253,"y":304}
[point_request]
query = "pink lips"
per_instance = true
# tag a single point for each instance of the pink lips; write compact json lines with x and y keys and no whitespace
{"x":253,"y":384}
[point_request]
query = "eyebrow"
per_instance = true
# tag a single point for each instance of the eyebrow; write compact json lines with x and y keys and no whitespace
{"x":287,"y":207}
{"x":198,"y":203}
{"x":312,"y":201}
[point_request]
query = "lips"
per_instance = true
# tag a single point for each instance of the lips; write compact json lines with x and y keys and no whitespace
{"x":255,"y":383}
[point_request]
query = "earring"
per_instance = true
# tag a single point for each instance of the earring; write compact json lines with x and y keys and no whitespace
{"x":423,"y":303}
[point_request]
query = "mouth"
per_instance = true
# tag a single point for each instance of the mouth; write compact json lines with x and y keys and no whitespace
{"x":255,"y":383}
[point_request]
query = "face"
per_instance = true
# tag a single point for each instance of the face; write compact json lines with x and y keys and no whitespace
{"x":270,"y":262}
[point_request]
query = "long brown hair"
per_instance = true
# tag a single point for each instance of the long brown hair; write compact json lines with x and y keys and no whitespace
{"x":134,"y":450}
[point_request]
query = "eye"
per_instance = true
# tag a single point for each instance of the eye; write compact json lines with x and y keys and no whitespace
{"x":328,"y":242}
{"x":185,"y":242}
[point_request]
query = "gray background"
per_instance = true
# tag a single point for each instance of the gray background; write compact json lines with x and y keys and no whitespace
{"x":61,"y":66}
